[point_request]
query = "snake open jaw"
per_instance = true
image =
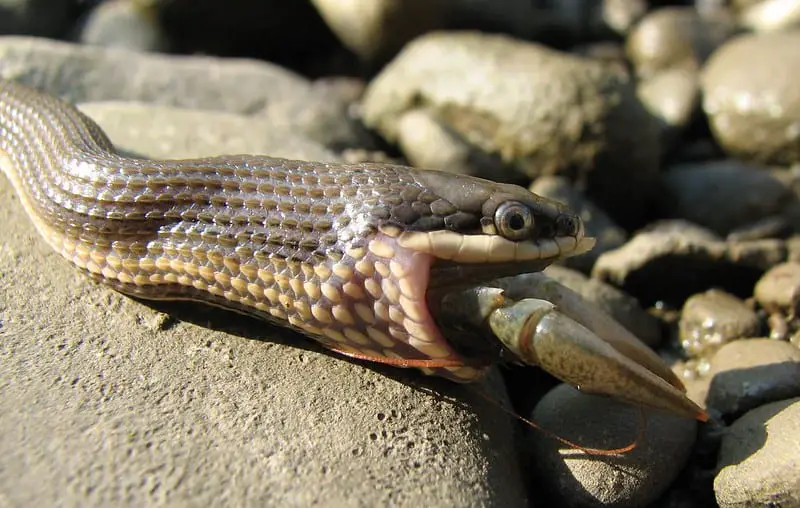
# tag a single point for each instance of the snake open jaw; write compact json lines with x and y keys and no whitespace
{"x":425,"y":266}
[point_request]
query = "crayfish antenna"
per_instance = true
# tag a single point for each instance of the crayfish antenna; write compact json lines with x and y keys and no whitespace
{"x":552,"y":435}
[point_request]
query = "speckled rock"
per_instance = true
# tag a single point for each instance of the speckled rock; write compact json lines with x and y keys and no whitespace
{"x":376,"y":29}
{"x":566,"y":115}
{"x":123,"y":24}
{"x":598,"y":224}
{"x":636,"y":478}
{"x":779,"y":288}
{"x":769,"y":15}
{"x":623,"y":308}
{"x":87,"y":73}
{"x":723,"y":195}
{"x":675,"y":259}
{"x":105,"y":402}
{"x":44,"y":18}
{"x":713,"y":318}
{"x":754,"y":109}
{"x":753,"y":372}
{"x":758,"y":461}
{"x":675,"y":36}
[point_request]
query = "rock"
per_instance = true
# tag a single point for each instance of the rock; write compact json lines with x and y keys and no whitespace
{"x":98,"y":409}
{"x":753,"y":372}
{"x":163,"y":130}
{"x":123,"y":24}
{"x":672,"y":96}
{"x":758,"y":459}
{"x":597,"y":223}
{"x":779,"y":288}
{"x":567,"y":116}
{"x":636,"y":478}
{"x":769,"y":15}
{"x":86,"y":73}
{"x":43,"y":18}
{"x":753,"y":108}
{"x":427,"y":143}
{"x":713,"y":318}
{"x":622,"y":15}
{"x":723,"y":195}
{"x":376,"y":29}
{"x":675,"y":37}
{"x":675,"y":259}
{"x":623,"y":308}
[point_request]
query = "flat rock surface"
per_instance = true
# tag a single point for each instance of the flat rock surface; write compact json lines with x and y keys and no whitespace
{"x":107,"y":401}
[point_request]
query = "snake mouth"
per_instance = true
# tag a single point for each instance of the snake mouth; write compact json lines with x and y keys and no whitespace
{"x":447,"y":277}
{"x":426,"y":266}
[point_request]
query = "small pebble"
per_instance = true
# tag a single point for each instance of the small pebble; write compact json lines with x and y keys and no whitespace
{"x":675,"y":36}
{"x":713,"y":318}
{"x":778,"y":290}
{"x":672,"y":96}
{"x":635,"y":478}
{"x":754,"y":108}
{"x":748,"y":373}
{"x":760,"y":458}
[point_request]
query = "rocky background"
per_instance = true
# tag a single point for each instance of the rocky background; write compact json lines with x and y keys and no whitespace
{"x":672,"y":126}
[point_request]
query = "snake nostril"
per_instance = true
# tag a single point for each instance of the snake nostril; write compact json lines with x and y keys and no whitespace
{"x":567,"y":225}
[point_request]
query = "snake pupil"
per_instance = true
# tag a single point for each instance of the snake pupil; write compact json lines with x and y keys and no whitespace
{"x":516,"y":222}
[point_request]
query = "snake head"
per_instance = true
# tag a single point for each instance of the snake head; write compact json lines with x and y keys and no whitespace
{"x":439,"y":233}
{"x":476,"y":230}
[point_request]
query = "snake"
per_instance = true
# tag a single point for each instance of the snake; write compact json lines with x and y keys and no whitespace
{"x":355,"y":256}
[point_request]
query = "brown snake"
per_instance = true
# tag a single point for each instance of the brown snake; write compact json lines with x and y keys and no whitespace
{"x":355,"y":256}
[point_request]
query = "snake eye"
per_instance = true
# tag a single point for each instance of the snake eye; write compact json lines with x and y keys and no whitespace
{"x":513,"y":220}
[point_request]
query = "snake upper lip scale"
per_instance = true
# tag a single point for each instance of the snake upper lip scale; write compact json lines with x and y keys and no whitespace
{"x":343,"y":253}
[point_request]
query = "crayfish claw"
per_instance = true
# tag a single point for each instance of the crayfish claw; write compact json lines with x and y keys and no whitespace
{"x":541,"y":335}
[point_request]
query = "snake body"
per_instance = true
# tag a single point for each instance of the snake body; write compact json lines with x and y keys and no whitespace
{"x":347,"y":254}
